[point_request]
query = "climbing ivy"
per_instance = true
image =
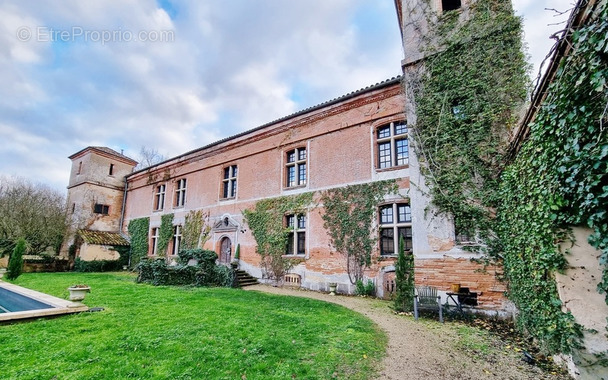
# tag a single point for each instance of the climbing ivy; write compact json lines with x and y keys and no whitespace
{"x":348,"y":219}
{"x":467,"y":101}
{"x":559,"y":179}
{"x":196,"y":230}
{"x":138,"y":231}
{"x":266,"y":221}
{"x":165,"y":234}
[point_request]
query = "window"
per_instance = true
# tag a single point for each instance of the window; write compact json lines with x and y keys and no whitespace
{"x":155,"y":234}
{"x":101,"y":209}
{"x":229,"y":182}
{"x":296,"y":167}
{"x":180,"y":193}
{"x":393,"y":147}
{"x":296,"y":241}
{"x":111,"y":169}
{"x":159,"y":197}
{"x":79,"y":167}
{"x":395,"y":222}
{"x":73,"y":207}
{"x":177,"y":239}
{"x":450,"y":5}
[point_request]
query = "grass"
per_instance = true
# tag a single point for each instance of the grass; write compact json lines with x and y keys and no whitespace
{"x":148,"y":332}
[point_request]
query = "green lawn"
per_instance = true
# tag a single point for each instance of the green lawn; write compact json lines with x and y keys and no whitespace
{"x":151,"y":332}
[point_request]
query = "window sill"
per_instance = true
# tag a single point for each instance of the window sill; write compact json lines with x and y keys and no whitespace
{"x":295,"y":187}
{"x":227,"y":199}
{"x":392,"y":168}
{"x":302,"y":256}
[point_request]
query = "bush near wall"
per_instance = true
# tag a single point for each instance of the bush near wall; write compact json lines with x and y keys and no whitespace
{"x":97,"y":265}
{"x":204,"y":273}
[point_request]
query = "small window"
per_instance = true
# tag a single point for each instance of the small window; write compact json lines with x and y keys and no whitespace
{"x":229,"y":182}
{"x":154,"y":237}
{"x":79,"y":167}
{"x":101,"y":209}
{"x":296,"y":239}
{"x":111,"y":172}
{"x":395,"y":222}
{"x":177,"y":239}
{"x":450,"y":5}
{"x":159,"y":197}
{"x":180,"y":193}
{"x":295,"y":173}
{"x":73,"y":207}
{"x":392,"y":142}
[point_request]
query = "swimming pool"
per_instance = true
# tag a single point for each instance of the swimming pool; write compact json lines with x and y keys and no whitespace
{"x":17,"y":302}
{"x":11,"y":301}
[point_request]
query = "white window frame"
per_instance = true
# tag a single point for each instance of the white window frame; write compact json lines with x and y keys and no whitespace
{"x":177,"y":239}
{"x":299,"y":166}
{"x":296,"y":223}
{"x":154,"y":235}
{"x":394,"y":223}
{"x":180,"y":193}
{"x":229,"y":182}
{"x":398,"y":132}
{"x":159,"y":197}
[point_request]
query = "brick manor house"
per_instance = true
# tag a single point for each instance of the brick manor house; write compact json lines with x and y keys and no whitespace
{"x":359,"y":138}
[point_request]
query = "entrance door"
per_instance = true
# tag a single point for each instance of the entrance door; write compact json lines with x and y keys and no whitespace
{"x":225,"y":250}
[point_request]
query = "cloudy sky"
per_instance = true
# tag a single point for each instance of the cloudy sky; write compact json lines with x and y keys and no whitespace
{"x":174,"y":75}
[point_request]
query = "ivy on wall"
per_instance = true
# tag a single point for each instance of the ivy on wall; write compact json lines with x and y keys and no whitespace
{"x":267,"y":223}
{"x":165,"y":233}
{"x":348,"y":219}
{"x":559,"y":179}
{"x":196,"y":230}
{"x":138,"y":231}
{"x":467,"y":101}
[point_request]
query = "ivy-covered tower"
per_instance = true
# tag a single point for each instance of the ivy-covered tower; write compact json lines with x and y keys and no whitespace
{"x":464,"y":79}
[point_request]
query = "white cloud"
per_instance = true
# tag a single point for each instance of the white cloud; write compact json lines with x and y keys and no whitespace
{"x":231,"y":66}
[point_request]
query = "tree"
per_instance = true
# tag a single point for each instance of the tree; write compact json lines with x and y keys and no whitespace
{"x":15,"y":263}
{"x":34,"y":212}
{"x":148,"y":157}
{"x":404,"y":279}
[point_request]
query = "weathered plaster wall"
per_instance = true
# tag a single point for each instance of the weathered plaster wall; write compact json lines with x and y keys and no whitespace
{"x":577,"y":289}
{"x":90,"y":252}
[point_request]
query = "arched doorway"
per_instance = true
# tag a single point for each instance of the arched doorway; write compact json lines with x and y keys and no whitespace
{"x":225,"y":250}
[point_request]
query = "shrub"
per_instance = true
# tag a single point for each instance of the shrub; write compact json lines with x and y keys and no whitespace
{"x":15,"y":263}
{"x":367,"y":289}
{"x":204,"y":273}
{"x":404,"y":280}
{"x":96,"y":265}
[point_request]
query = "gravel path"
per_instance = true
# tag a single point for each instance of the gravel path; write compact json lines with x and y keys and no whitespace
{"x":426,"y":349}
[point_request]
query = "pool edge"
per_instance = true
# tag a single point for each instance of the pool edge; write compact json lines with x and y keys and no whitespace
{"x":59,"y":306}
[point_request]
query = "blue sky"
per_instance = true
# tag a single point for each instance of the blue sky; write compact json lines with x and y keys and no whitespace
{"x":174,"y":75}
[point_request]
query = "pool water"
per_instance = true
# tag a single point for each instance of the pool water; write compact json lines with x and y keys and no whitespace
{"x":11,"y":301}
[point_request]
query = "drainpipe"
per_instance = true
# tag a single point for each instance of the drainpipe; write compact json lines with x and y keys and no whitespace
{"x":122,"y":216}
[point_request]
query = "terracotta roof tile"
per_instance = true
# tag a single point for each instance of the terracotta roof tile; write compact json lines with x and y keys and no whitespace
{"x":103,"y":238}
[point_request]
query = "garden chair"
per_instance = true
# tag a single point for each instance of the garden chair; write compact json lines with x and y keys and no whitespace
{"x":426,"y":298}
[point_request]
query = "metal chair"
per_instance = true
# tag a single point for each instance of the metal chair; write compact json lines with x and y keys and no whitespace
{"x":426,"y":298}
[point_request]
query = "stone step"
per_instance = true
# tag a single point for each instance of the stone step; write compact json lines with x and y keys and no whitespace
{"x":245,"y":279}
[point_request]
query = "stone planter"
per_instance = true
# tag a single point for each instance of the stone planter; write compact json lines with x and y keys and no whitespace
{"x":332,"y":288}
{"x":78,"y":292}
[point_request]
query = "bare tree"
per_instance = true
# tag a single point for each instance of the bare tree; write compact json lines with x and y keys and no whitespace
{"x":148,"y":157}
{"x":34,"y":212}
